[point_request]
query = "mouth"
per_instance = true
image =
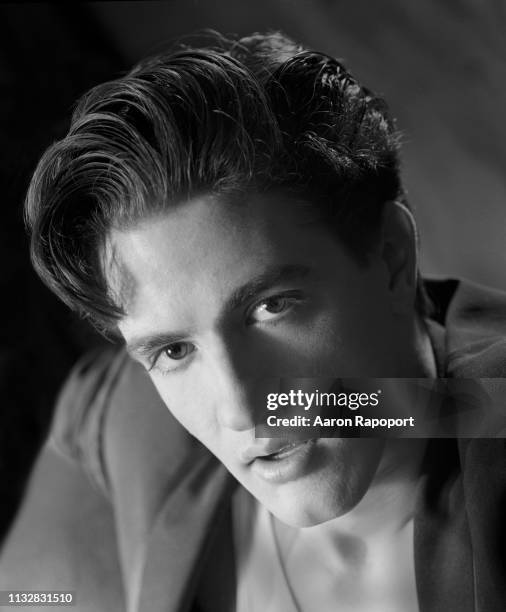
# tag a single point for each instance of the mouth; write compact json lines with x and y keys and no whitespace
{"x":272,"y":449}
{"x":284,"y":451}
{"x":285,"y":462}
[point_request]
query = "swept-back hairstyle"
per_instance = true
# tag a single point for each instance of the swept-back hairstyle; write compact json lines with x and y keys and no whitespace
{"x":250,"y":115}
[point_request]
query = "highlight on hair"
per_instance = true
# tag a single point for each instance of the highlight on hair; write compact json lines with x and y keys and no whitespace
{"x":250,"y":115}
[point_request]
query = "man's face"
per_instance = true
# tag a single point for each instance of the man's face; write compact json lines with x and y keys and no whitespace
{"x":221,"y":297}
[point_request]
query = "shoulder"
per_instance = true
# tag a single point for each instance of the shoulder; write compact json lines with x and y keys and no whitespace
{"x":81,"y":407}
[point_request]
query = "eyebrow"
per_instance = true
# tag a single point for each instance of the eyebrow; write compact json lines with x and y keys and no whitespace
{"x":261,"y":283}
{"x":240,"y":297}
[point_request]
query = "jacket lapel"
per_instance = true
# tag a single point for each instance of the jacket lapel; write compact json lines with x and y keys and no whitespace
{"x":217,"y":581}
{"x":460,"y":538}
{"x":443,"y":556}
{"x":476,"y":347}
{"x":484,"y":483}
{"x":181,"y":535}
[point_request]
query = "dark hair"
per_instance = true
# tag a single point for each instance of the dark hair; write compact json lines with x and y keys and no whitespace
{"x":255,"y":114}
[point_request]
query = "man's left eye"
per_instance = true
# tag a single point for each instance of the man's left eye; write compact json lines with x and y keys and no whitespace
{"x":270,"y":308}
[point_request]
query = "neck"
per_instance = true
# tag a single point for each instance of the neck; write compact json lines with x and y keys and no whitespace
{"x":414,"y":353}
{"x":389,"y":503}
{"x":376,"y":536}
{"x":425,"y":354}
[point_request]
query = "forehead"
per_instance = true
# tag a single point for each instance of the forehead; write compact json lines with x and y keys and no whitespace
{"x":200,"y":251}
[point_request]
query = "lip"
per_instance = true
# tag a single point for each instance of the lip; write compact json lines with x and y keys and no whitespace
{"x":272,"y":446}
{"x":289,"y":461}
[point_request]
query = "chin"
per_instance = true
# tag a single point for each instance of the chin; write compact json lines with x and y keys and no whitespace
{"x":314,"y":513}
{"x":318,"y":499}
{"x":331,"y":478}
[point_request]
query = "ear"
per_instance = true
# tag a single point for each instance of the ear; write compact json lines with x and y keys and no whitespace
{"x":399,"y":252}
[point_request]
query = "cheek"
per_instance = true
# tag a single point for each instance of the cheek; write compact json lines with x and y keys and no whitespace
{"x":356,"y":336}
{"x":341,"y":342}
{"x":189,"y":405}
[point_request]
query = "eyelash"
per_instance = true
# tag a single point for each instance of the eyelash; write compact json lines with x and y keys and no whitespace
{"x":296,"y":297}
{"x":155,"y":358}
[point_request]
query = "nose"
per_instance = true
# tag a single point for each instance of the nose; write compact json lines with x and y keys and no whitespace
{"x":234,"y":409}
{"x":236,"y":388}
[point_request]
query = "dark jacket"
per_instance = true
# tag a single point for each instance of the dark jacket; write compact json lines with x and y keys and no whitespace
{"x":131,"y":513}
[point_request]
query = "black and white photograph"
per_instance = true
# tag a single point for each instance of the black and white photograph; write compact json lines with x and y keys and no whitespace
{"x":253,"y":315}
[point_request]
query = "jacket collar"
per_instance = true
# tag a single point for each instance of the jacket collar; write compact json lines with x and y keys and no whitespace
{"x":458,"y":564}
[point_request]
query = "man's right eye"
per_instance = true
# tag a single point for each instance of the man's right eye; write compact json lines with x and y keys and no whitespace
{"x":165,"y":359}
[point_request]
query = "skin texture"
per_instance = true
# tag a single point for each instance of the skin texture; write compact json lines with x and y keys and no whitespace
{"x":212,"y":348}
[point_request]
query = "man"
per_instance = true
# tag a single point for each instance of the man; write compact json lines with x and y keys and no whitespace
{"x":236,"y":215}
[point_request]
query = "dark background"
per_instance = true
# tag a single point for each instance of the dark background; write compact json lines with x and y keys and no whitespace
{"x":440,"y":63}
